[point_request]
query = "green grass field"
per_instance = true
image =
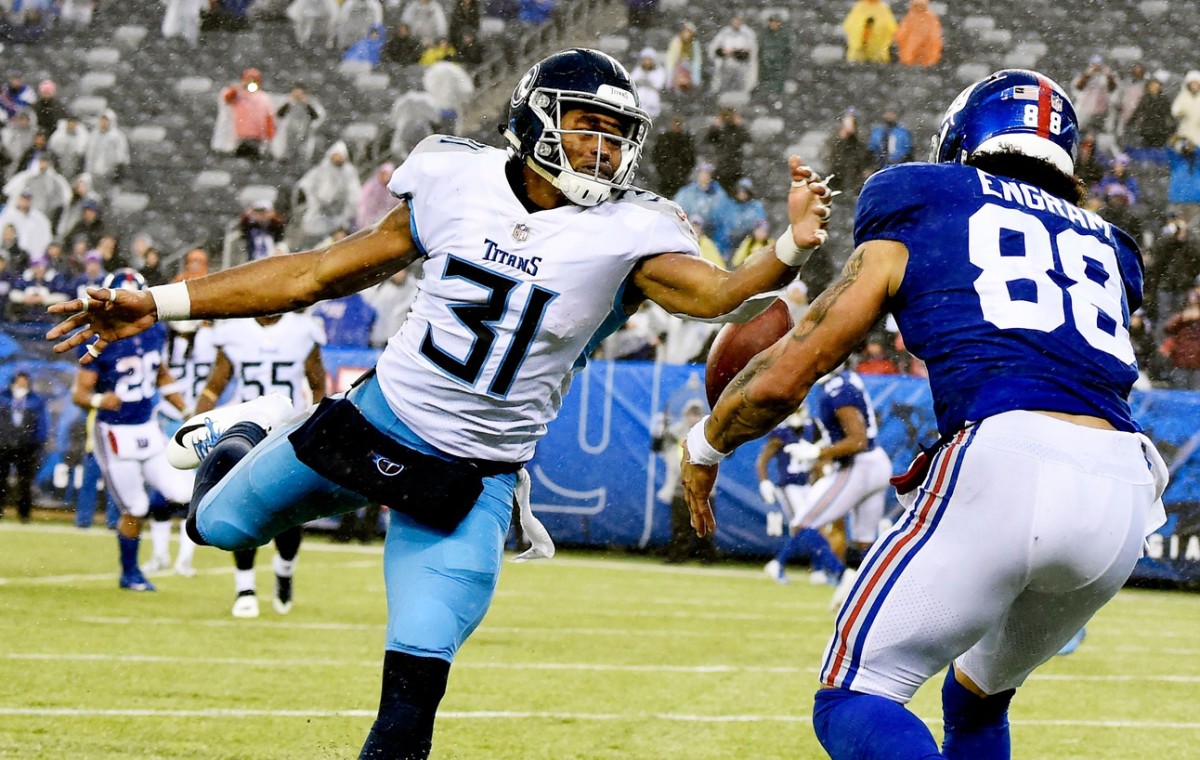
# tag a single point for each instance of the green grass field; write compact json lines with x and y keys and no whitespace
{"x":581,"y":657}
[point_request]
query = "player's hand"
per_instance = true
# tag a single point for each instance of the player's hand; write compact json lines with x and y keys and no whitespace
{"x":809,"y":205}
{"x":698,"y":482}
{"x":105,"y":315}
{"x":110,"y":401}
{"x":766,"y":489}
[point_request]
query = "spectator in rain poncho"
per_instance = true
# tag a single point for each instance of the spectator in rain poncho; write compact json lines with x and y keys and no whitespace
{"x":684,"y":59}
{"x":449,"y":85}
{"x":16,"y":137}
{"x":706,"y":199}
{"x":15,"y":95}
{"x":355,"y":19}
{"x":81,"y":195}
{"x":1186,"y":108}
{"x":919,"y":37}
{"x":414,"y":117}
{"x":376,"y":200}
{"x":69,"y":145}
{"x":245,"y":122}
{"x":331,"y":190}
{"x":649,"y":78}
{"x":314,"y":17}
{"x":368,"y":48}
{"x":77,"y":12}
{"x":735,"y":57}
{"x":48,"y":110}
{"x":1092,"y":93}
{"x":182,"y":19}
{"x":32,"y":226}
{"x":870,"y":28}
{"x":426,"y":20}
{"x":107,"y":152}
{"x":297,"y":122}
{"x":49,"y":191}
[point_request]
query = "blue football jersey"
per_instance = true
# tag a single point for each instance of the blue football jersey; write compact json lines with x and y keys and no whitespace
{"x":129,"y":368}
{"x":789,"y":471}
{"x":1014,"y":298}
{"x":836,"y":391}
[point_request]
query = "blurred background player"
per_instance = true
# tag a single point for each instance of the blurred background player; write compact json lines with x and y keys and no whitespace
{"x":792,"y":447}
{"x":667,"y":440}
{"x":279,"y":354}
{"x":122,"y":385}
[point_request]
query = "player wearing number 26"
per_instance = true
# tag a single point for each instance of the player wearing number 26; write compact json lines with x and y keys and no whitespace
{"x":531,"y":256}
{"x":1030,"y":513}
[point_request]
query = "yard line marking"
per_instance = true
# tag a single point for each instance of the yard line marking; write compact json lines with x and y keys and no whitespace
{"x":99,"y":577}
{"x":535,"y":715}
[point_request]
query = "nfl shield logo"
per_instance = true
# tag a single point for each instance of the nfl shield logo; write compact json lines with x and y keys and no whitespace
{"x":520,"y":233}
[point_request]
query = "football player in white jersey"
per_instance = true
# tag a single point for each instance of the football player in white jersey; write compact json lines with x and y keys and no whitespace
{"x":278,"y":354}
{"x":532,"y":255}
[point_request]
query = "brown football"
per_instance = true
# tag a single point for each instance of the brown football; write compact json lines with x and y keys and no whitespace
{"x":736,"y":344}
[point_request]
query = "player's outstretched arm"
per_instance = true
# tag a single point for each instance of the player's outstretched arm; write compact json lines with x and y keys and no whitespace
{"x":775,"y":382}
{"x":260,"y":288}
{"x":690,"y":286}
{"x":218,"y":377}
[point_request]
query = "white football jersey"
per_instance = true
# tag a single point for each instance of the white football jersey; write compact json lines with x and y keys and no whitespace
{"x":191,"y":362}
{"x":270,"y":358}
{"x":511,"y":301}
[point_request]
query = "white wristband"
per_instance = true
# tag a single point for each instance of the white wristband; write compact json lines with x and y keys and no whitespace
{"x":789,"y":253}
{"x":172,"y":301}
{"x":700,"y":451}
{"x":96,"y":400}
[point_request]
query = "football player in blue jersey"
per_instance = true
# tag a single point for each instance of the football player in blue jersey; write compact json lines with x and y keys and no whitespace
{"x":532,"y":255}
{"x":122,"y":385}
{"x":1031,"y":512}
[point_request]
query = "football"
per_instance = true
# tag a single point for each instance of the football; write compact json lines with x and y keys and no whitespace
{"x":736,"y":344}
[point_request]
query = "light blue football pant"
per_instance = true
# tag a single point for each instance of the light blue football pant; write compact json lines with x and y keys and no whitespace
{"x":438,"y":586}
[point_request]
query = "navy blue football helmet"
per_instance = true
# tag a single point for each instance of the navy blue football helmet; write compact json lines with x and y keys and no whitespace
{"x":1012,"y":110}
{"x":125,"y":279}
{"x":583,"y":79}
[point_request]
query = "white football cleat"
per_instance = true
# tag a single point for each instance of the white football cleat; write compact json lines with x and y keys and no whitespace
{"x":818,"y":578}
{"x":843,"y":588}
{"x":156,"y":565}
{"x":775,"y":571}
{"x":246,"y":605}
{"x":185,"y":569}
{"x":196,"y":437}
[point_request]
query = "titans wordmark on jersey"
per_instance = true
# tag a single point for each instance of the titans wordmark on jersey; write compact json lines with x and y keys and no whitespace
{"x":129,"y":368}
{"x":270,"y":358}
{"x":510,"y":300}
{"x":1014,"y":298}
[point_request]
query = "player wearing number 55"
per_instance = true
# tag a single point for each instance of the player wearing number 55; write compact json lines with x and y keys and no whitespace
{"x":532,"y":255}
{"x":1029,"y":513}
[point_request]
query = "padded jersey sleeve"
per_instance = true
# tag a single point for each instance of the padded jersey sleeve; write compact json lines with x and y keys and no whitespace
{"x":891,"y":204}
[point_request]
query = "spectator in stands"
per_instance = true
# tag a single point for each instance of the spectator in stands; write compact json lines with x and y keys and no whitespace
{"x":32,"y":226}
{"x":227,"y":15}
{"x":464,"y":22}
{"x":1130,"y":95}
{"x":15,"y":95}
{"x":438,"y":52}
{"x":68,"y":143}
{"x":1152,"y":124}
{"x":77,"y":12}
{"x":109,"y":248}
{"x":774,"y":58}
{"x":50,"y":192}
{"x":182,"y":19}
{"x":376,"y":200}
{"x":402,"y":47}
{"x":314,"y":18}
{"x":848,"y":157}
{"x":1173,"y":268}
{"x":107,"y":152}
{"x":331,"y":190}
{"x":708,"y":247}
{"x":92,"y":276}
{"x":505,"y":10}
{"x":195,"y":264}
{"x":919,"y":36}
{"x":535,"y":12}
{"x":1092,"y":93}
{"x":734,"y":51}
{"x":1183,"y":190}
{"x":643,"y":14}
{"x":261,"y":228}
{"x":24,"y":428}
{"x":891,"y":142}
{"x":1089,"y":167}
{"x":81,"y":192}
{"x":35,"y":290}
{"x":706,"y":199}
{"x":745,"y":213}
{"x":7,"y":278}
{"x":245,"y":118}
{"x":414,"y":116}
{"x":152,"y":271}
{"x":1119,"y":174}
{"x":450,"y":88}
{"x":1117,"y":209}
{"x":427,"y":20}
{"x":759,"y":237}
{"x":649,"y":77}
{"x":684,"y":60}
{"x":17,"y":137}
{"x":870,"y":28}
{"x":67,"y":266}
{"x":728,"y":137}
{"x":48,"y":110}
{"x":469,"y":51}
{"x":28,"y":160}
{"x":874,"y":359}
{"x":1186,"y":108}
{"x":392,"y":299}
{"x":674,"y":157}
{"x":1183,"y":347}
{"x":15,"y":257}
{"x":369,"y":48}
{"x":354,"y":19}
{"x":296,"y":124}
{"x":90,"y":227}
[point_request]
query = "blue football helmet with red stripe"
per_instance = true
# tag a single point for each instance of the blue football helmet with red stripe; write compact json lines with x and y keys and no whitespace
{"x":1013,"y":110}
{"x":125,"y":279}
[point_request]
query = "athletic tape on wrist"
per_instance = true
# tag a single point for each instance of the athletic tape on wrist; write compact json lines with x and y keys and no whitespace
{"x":172,"y":301}
{"x":789,"y":253}
{"x":96,"y":400}
{"x":700,"y":451}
